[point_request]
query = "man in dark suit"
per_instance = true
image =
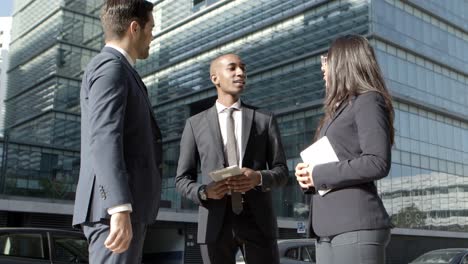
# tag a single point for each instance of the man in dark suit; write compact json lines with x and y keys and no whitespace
{"x":236,"y":212}
{"x":119,"y":187}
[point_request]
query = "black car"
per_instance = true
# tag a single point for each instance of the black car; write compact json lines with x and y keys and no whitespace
{"x":443,"y":256}
{"x":42,"y":245}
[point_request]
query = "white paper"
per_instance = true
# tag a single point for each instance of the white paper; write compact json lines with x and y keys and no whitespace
{"x":224,"y":173}
{"x":319,"y":153}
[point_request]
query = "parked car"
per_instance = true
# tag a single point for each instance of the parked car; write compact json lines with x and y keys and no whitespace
{"x":443,"y":256}
{"x":291,"y":251}
{"x":41,"y":245}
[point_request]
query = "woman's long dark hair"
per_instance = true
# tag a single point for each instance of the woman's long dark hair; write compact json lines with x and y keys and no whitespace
{"x":353,"y":70}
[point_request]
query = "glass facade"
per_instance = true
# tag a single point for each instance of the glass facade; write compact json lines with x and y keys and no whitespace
{"x":52,"y":41}
{"x":424,"y":58}
{"x":35,"y":171}
{"x":428,"y":173}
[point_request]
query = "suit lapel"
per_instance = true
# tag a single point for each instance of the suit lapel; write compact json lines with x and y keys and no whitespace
{"x":213,"y":124}
{"x":247,"y":119}
{"x":143,"y":89}
{"x":340,"y":109}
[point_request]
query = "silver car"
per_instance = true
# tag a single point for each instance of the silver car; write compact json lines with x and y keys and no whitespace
{"x":443,"y":256}
{"x":292,"y":251}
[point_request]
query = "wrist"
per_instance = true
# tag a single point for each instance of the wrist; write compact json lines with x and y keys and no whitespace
{"x":122,"y":213}
{"x":259,"y":178}
{"x":202,"y":193}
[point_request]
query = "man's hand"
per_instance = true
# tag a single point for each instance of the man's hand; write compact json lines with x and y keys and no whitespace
{"x":120,"y":234}
{"x":248,"y":180}
{"x":216,"y":190}
{"x":304,"y":175}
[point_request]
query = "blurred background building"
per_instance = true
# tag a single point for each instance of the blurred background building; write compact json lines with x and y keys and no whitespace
{"x":51,"y":42}
{"x":5,"y":33}
{"x":422,"y":47}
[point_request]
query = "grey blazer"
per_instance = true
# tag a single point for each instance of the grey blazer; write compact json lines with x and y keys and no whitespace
{"x":202,"y":143}
{"x":359,"y":134}
{"x":120,"y":143}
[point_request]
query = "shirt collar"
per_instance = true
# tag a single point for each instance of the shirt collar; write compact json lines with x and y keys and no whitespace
{"x":126,"y":55}
{"x":220,"y":107}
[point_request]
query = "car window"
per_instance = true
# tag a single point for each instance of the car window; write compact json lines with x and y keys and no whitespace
{"x":305,"y":255}
{"x":70,"y":249}
{"x":308,"y":254}
{"x":292,"y":253}
{"x":444,"y":256}
{"x":240,"y":258}
{"x":465,"y":260}
{"x":22,"y":245}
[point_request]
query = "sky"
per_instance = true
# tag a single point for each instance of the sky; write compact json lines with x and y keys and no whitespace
{"x":6,"y":8}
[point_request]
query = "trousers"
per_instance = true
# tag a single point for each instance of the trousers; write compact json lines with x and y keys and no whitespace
{"x":357,"y":247}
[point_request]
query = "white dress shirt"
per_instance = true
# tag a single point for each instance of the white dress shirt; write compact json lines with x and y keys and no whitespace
{"x":123,"y":207}
{"x":126,"y":55}
{"x":237,"y":115}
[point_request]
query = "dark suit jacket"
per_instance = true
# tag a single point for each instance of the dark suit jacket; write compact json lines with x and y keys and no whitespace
{"x":360,"y":135}
{"x":120,"y":143}
{"x":202,"y":143}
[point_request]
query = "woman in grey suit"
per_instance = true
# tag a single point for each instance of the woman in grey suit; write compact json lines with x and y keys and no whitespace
{"x":349,"y":221}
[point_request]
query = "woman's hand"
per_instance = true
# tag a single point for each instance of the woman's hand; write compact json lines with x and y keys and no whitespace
{"x":304,"y":175}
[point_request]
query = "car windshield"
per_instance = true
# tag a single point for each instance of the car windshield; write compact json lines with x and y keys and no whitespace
{"x":437,"y":257}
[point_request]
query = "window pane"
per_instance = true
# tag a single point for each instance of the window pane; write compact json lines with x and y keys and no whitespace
{"x":22,"y":245}
{"x":305,"y":255}
{"x":292,"y":253}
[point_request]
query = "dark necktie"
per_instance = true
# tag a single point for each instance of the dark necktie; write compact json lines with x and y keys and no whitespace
{"x":232,"y":157}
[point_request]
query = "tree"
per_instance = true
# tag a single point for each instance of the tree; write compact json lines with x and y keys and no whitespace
{"x":409,"y":217}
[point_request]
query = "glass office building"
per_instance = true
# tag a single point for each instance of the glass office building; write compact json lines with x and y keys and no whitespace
{"x":51,"y":43}
{"x":5,"y":29}
{"x":422,"y":48}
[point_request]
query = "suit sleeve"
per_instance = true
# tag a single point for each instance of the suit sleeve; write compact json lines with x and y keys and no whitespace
{"x":107,"y":101}
{"x":277,"y":173}
{"x":373,"y":126}
{"x":187,"y":168}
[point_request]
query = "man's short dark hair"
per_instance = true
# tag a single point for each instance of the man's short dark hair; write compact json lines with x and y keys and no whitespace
{"x":116,"y":16}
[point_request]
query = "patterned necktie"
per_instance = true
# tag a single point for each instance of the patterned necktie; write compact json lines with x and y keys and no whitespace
{"x":233,"y":159}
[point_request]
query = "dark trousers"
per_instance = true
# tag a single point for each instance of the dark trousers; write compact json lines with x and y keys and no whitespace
{"x":96,"y":233}
{"x":358,"y":247}
{"x":240,"y":232}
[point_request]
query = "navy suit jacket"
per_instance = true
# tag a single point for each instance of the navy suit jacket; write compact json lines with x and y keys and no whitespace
{"x":360,"y":135}
{"x":202,"y":144}
{"x":120,"y":143}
